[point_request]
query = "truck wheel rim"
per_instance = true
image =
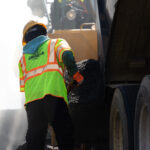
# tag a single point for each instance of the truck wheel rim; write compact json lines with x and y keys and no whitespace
{"x":144,"y":129}
{"x":117,"y":132}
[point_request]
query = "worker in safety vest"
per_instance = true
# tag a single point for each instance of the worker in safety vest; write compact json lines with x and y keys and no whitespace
{"x":41,"y":78}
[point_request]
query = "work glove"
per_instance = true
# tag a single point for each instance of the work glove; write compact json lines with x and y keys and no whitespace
{"x":78,"y":78}
{"x":76,"y":81}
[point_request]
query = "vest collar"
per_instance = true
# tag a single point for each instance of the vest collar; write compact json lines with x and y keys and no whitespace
{"x":32,"y":46}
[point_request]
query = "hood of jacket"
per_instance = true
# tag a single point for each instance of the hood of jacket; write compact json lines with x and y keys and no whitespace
{"x":32,"y":46}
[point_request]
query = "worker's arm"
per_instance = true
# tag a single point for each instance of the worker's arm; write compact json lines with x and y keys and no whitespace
{"x":65,"y":55}
{"x":21,"y":77}
{"x":69,"y":61}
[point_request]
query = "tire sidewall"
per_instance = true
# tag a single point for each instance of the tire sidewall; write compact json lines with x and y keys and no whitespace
{"x":118,"y":105}
{"x":143,"y":99}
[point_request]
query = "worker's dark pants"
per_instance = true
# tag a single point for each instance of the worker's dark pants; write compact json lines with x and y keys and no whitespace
{"x":50,"y":110}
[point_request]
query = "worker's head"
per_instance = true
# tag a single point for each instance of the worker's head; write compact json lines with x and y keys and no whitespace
{"x":33,"y":29}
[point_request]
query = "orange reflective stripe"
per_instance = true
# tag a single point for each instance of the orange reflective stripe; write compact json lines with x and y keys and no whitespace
{"x":22,"y":65}
{"x":24,"y":62}
{"x":42,"y":73}
{"x":48,"y":67}
{"x":36,"y":68}
{"x":49,"y":44}
{"x":60,"y":49}
{"x":55,"y":60}
{"x":22,"y":78}
{"x":48,"y":59}
{"x":57,"y":46}
{"x":51,"y":65}
{"x":63,"y":49}
{"x":78,"y":77}
{"x":60,"y":53}
{"x":62,"y":45}
{"x":51,"y":52}
{"x":21,"y":90}
{"x":61,"y":57}
{"x":22,"y":86}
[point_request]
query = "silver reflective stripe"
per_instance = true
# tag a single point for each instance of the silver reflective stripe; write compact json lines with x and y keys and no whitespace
{"x":52,"y":46}
{"x":58,"y":50}
{"x":21,"y":82}
{"x":52,"y":67}
{"x":63,"y":45}
{"x":23,"y":66}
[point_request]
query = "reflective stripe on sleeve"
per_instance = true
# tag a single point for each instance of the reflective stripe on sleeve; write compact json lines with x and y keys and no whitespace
{"x":21,"y":89}
{"x":21,"y":83}
{"x":61,"y":44}
{"x":60,"y":48}
{"x":22,"y":65}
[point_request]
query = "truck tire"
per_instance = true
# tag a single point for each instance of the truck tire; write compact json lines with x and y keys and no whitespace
{"x":121,"y":118}
{"x":142,"y":116}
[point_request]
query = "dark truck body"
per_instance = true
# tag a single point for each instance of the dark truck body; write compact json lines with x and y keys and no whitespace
{"x":124,"y":57}
{"x":125,"y":39}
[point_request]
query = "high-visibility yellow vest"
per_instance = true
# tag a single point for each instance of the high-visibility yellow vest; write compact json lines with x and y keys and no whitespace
{"x":41,"y":73}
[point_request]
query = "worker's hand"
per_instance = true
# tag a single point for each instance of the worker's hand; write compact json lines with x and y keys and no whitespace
{"x":71,"y":85}
{"x":78,"y":78}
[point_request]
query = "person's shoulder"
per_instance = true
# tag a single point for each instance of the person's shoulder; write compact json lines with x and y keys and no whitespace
{"x":61,"y":39}
{"x":57,"y":39}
